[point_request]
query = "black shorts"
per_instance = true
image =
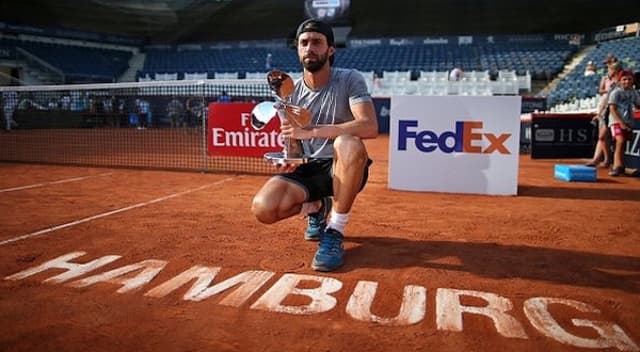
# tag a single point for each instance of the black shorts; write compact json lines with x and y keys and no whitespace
{"x":316,"y":177}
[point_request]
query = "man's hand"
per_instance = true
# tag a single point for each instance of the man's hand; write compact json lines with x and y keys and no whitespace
{"x":291,"y":131}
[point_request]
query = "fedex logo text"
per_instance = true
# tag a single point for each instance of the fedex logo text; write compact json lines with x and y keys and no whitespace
{"x":466,"y":132}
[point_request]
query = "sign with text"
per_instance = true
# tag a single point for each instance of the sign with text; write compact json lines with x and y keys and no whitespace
{"x":382,"y":106}
{"x":562,"y":136}
{"x":533,"y":104}
{"x":229,"y":132}
{"x":456,"y":144}
{"x":632,"y":149}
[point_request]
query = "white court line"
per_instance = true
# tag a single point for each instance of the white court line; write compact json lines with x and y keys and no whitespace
{"x":69,"y":224}
{"x":53,"y":182}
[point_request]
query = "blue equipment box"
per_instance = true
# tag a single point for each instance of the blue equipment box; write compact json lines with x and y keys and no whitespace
{"x":575,"y":173}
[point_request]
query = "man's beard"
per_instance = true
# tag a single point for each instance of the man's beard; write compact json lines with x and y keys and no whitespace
{"x":315,"y":66}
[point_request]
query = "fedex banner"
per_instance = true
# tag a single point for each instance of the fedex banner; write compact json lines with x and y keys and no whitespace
{"x":229,"y":132}
{"x":455,"y":144}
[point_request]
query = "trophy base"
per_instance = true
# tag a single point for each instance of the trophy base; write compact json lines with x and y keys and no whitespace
{"x":279,"y":158}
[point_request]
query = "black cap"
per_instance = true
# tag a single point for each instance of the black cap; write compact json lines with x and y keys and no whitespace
{"x":313,"y":25}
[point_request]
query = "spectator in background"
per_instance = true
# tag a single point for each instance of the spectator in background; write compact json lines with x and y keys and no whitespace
{"x":111,"y":118}
{"x":175,"y":112}
{"x":76,"y":101}
{"x":9,"y":103}
{"x":224,"y":97}
{"x":622,"y":99}
{"x":52,"y":104}
{"x":603,"y":149}
{"x":590,"y":70}
{"x":143,"y":110}
{"x":376,"y":81}
{"x":65,"y":102}
{"x":195,"y":111}
{"x":456,"y":74}
{"x":267,"y":61}
{"x":610,"y":59}
{"x":122,"y":111}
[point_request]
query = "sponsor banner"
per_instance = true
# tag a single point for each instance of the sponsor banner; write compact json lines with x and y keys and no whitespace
{"x":533,"y":104}
{"x":461,"y":40}
{"x":229,"y":132}
{"x":529,"y":104}
{"x":616,"y":32}
{"x":383,"y":108}
{"x":456,"y":144}
{"x":562,"y":136}
{"x":632,"y":150}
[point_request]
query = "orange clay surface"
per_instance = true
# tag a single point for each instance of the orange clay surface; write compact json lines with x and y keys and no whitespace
{"x":563,"y":240}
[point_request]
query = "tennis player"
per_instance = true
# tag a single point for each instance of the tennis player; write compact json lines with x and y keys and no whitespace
{"x":343,"y":115}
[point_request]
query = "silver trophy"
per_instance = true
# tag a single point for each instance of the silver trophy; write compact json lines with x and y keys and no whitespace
{"x":282,"y":86}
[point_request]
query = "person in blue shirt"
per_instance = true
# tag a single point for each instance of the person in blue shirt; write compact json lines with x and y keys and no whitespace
{"x":224,"y":97}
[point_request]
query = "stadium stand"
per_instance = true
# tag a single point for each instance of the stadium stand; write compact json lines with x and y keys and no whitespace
{"x":72,"y":63}
{"x":577,"y":91}
{"x":216,"y":61}
{"x":540,"y":61}
{"x":493,"y":65}
{"x":503,"y":69}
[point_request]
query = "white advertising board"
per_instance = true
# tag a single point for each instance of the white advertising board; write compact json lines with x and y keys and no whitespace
{"x":455,"y":144}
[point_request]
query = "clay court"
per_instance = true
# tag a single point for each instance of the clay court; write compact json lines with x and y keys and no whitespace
{"x":458,"y":261}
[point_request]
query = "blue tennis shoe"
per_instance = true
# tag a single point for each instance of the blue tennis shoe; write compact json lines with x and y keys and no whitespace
{"x":330,"y":251}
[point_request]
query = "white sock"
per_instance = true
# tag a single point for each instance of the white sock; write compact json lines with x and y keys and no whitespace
{"x":338,"y":221}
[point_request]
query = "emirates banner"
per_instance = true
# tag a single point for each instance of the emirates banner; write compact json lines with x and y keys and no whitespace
{"x":229,"y":132}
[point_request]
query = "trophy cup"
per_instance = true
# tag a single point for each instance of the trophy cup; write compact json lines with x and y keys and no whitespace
{"x":281,"y":85}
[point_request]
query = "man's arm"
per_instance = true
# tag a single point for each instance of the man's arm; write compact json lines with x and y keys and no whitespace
{"x":364,"y":125}
{"x":602,"y":105}
{"x":615,"y":115}
{"x":601,"y":87}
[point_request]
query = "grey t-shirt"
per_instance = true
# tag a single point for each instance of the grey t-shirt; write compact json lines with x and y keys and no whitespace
{"x":624,"y":99}
{"x":330,"y":105}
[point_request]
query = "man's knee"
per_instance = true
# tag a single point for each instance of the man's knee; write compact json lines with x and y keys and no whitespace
{"x":350,"y":149}
{"x":261,"y":210}
{"x":264,"y":209}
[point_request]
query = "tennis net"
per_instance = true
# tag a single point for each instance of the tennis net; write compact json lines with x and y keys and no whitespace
{"x":156,"y":125}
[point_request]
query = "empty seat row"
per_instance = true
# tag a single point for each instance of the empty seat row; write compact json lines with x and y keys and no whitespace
{"x":78,"y":63}
{"x":540,"y":61}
